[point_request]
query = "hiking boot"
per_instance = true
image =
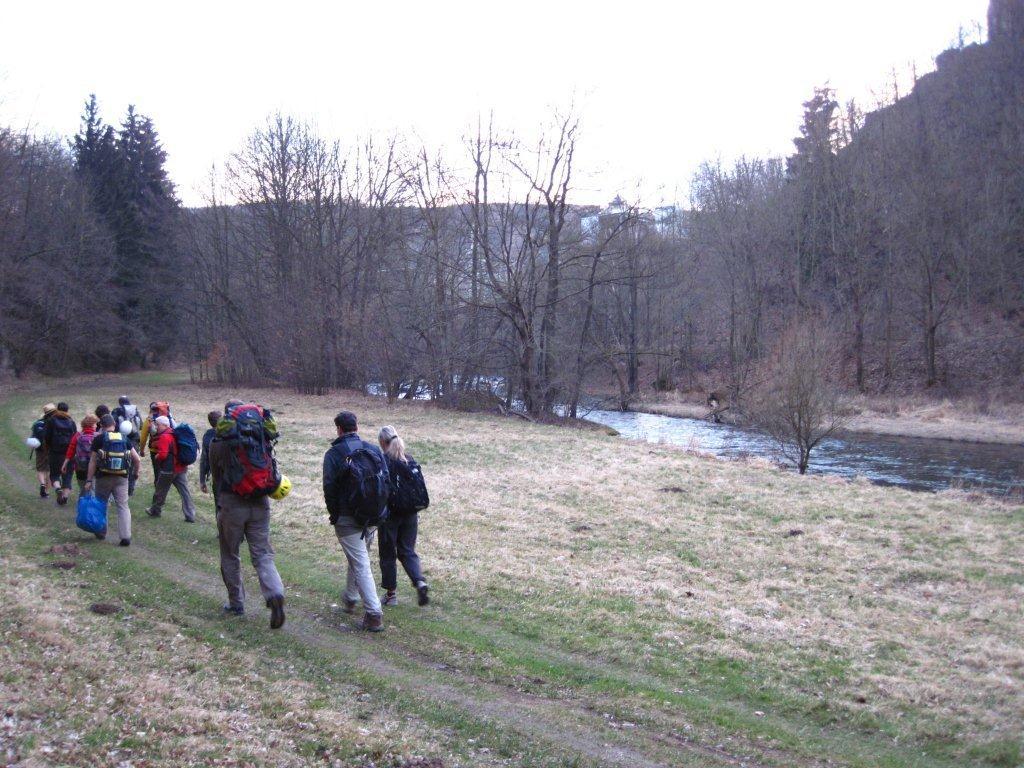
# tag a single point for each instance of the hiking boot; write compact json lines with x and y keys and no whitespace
{"x":151,"y":513}
{"x":276,"y":606}
{"x":190,"y":519}
{"x":391,"y":598}
{"x":423,"y":593}
{"x":233,"y":610}
{"x":124,"y":543}
{"x":61,"y":499}
{"x":372,"y":622}
{"x":348,"y":606}
{"x":43,"y":493}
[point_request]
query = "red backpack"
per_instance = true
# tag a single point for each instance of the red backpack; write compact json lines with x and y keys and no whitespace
{"x":251,"y":432}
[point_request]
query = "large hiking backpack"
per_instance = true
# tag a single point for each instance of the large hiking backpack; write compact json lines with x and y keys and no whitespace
{"x":61,"y":429}
{"x":368,"y":488}
{"x":186,"y":444}
{"x":251,"y":432}
{"x":408,"y":489}
{"x":114,"y":455}
{"x":83,"y":449}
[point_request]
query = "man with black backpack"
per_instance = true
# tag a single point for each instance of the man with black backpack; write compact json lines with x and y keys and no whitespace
{"x":60,"y":429}
{"x":356,"y":488}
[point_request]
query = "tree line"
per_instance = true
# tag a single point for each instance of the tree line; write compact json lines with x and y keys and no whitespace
{"x":896,"y":236}
{"x":88,"y":252}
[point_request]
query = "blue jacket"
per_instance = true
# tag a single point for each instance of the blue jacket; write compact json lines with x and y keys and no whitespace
{"x":337,"y":480}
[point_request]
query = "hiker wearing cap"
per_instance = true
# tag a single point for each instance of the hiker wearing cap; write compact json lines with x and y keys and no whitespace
{"x":60,"y":429}
{"x":169,"y":471}
{"x":113,"y":459}
{"x":76,"y":458}
{"x":242,"y":518}
{"x":355,"y":476}
{"x":148,"y":433}
{"x":38,"y":443}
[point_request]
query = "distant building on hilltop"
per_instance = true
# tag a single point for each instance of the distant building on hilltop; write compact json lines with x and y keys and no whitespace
{"x":665,"y":219}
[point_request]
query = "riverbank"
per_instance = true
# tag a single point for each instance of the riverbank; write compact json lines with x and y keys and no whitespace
{"x":593,"y":604}
{"x":918,"y":417}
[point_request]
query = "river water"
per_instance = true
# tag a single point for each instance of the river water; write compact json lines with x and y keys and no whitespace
{"x":915,"y":463}
{"x":919,"y":464}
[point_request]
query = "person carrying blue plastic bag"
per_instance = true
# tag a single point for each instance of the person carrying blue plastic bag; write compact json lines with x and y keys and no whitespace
{"x":113,"y":461}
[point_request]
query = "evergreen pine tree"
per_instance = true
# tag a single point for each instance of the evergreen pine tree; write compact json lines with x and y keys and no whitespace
{"x":132,"y":192}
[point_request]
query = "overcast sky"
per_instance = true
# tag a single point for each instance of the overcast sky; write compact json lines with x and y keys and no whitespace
{"x":659,"y":86}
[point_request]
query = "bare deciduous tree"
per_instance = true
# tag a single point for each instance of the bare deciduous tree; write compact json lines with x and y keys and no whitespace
{"x":798,"y":403}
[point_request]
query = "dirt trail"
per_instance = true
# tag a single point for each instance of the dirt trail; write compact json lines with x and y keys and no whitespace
{"x":563,"y":723}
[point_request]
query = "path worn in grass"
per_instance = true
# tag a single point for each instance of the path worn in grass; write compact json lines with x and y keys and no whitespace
{"x":478,"y":667}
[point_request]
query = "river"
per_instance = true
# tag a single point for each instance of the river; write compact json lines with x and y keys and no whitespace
{"x":920,"y":464}
{"x":915,"y":463}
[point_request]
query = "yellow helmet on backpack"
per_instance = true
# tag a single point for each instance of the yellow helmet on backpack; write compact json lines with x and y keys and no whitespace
{"x":283,"y":488}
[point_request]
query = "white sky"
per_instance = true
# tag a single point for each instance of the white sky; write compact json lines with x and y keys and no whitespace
{"x":659,"y":86}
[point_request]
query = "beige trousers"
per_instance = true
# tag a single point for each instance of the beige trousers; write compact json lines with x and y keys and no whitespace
{"x":112,"y":485}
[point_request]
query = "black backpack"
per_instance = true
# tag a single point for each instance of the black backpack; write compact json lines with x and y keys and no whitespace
{"x":367,"y":487}
{"x":61,"y":429}
{"x":408,"y":488}
{"x":39,"y":431}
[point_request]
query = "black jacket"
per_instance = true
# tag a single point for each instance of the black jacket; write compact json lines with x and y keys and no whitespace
{"x":337,"y":480}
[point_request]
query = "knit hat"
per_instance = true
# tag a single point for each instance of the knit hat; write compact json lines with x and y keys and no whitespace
{"x":163,"y":420}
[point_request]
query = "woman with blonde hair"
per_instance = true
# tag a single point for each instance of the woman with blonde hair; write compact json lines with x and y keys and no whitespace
{"x":397,"y":536}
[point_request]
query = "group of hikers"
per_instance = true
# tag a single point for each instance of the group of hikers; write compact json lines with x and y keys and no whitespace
{"x":370,"y":490}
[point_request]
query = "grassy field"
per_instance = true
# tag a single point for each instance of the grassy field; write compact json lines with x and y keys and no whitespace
{"x":595,"y":603}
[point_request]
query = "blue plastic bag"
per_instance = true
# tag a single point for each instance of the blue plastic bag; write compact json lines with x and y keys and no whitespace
{"x":92,"y":514}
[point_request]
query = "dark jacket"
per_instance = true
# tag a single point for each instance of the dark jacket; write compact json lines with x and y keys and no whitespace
{"x":337,"y":479}
{"x":393,"y":463}
{"x":60,"y":428}
{"x":204,"y":458}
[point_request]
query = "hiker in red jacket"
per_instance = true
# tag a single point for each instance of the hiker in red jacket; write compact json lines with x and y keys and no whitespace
{"x":169,"y":471}
{"x":79,"y":451}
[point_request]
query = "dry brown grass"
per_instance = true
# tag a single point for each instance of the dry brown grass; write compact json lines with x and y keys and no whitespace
{"x":910,"y":603}
{"x":919,"y":595}
{"x":85,"y":690}
{"x":967,"y":419}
